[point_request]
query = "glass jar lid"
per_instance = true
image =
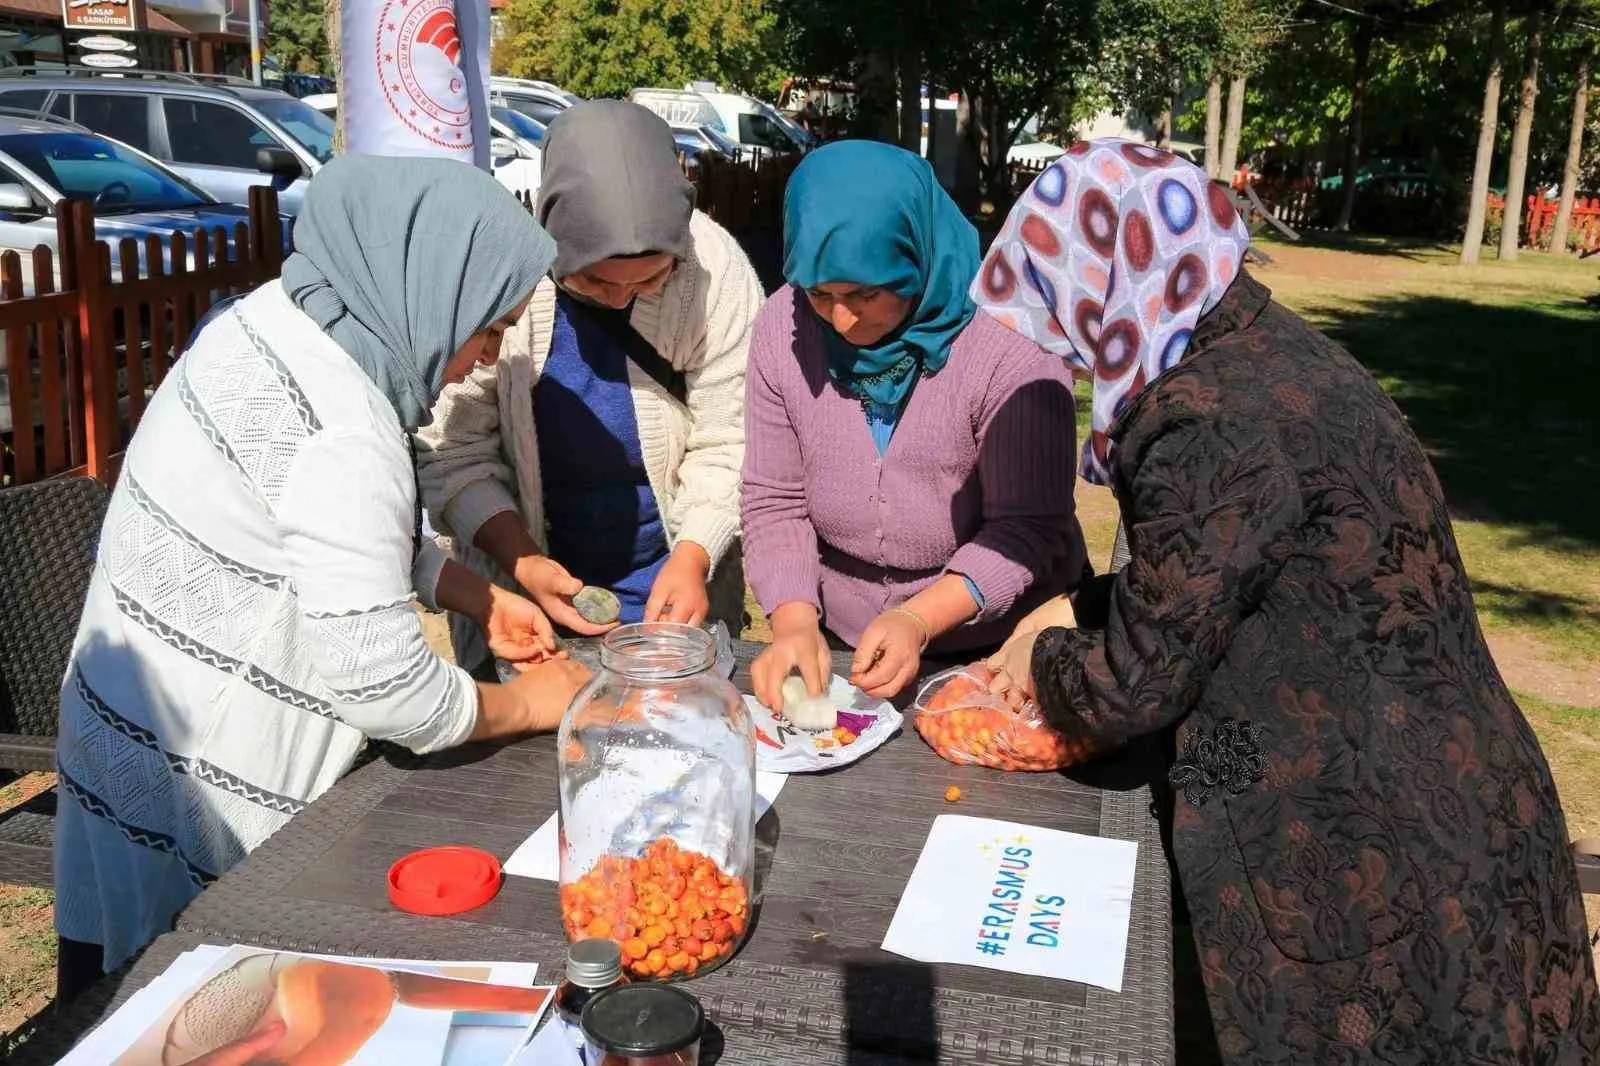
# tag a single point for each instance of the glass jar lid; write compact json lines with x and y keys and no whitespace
{"x":594,"y":963}
{"x":639,"y":1020}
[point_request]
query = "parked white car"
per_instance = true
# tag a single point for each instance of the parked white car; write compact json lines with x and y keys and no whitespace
{"x":515,"y":155}
{"x":755,"y":126}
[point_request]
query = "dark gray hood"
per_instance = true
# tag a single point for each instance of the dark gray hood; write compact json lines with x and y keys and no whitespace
{"x":611,"y":186}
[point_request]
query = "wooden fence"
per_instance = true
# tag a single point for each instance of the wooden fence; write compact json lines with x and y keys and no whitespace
{"x":87,"y":346}
{"x":98,"y":328}
{"x":1539,"y":220}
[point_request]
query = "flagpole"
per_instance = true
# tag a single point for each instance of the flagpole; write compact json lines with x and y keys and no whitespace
{"x":255,"y":41}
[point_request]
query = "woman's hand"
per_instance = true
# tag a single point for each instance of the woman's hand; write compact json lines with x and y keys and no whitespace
{"x":889,"y":654}
{"x":1013,"y":663}
{"x":679,"y":593}
{"x":516,"y":630}
{"x":798,"y":646}
{"x":1013,"y":668}
{"x":544,"y":690}
{"x":552,"y":589}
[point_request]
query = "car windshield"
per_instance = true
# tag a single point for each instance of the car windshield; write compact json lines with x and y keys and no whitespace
{"x":83,"y":166}
{"x":724,"y":144}
{"x":528,"y":129}
{"x":304,"y":123}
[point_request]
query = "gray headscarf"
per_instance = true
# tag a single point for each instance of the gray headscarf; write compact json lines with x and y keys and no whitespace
{"x":611,"y":185}
{"x":400,"y":260}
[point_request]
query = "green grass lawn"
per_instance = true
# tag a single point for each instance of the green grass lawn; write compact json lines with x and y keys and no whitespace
{"x":1496,"y":367}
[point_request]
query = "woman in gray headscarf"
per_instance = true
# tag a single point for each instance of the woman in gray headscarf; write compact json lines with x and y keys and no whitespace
{"x":250,"y":622}
{"x":628,"y":368}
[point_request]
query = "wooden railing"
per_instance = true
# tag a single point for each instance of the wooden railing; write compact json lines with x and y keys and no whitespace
{"x":88,"y":344}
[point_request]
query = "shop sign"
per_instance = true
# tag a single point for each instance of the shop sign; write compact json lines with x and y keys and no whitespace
{"x":104,"y":43}
{"x":115,"y":15}
{"x":107,"y":60}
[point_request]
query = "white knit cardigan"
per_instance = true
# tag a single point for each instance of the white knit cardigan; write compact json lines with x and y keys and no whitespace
{"x":480,"y":456}
{"x":248,"y":625}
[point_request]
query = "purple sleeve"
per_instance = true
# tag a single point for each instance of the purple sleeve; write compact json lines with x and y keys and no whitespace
{"x":1026,"y":464}
{"x":780,"y":545}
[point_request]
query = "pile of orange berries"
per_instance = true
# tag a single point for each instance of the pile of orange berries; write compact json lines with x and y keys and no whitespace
{"x":671,"y":910}
{"x":840,"y":736}
{"x":966,"y":725}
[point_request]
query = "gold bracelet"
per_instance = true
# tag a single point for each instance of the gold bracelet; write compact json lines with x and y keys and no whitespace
{"x":922,"y":624}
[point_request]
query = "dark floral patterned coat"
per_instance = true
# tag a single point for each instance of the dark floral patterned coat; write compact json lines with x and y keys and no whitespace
{"x":1374,"y":857}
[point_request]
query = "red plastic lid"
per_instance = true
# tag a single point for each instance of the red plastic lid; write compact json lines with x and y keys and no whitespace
{"x":439,"y":881}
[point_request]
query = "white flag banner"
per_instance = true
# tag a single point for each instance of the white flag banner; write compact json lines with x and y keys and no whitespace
{"x":416,"y":76}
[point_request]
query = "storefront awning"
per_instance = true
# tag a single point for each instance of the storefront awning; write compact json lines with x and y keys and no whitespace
{"x":50,"y":11}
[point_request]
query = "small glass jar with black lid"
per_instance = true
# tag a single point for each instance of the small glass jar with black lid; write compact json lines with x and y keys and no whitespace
{"x":643,"y":1025}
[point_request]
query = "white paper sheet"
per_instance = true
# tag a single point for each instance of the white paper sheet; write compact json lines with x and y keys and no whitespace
{"x":1014,"y":897}
{"x":554,"y":1045}
{"x":540,"y":856}
{"x":130,"y":1021}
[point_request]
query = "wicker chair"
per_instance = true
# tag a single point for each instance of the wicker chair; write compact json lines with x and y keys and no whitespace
{"x":48,"y":532}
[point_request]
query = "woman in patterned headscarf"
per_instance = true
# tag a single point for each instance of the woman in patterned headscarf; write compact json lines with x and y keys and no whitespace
{"x":1369,"y":840}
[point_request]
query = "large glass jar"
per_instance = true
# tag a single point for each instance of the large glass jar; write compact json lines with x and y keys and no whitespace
{"x":657,"y":767}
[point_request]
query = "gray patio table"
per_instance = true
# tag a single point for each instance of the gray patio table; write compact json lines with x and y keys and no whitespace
{"x":810,"y":985}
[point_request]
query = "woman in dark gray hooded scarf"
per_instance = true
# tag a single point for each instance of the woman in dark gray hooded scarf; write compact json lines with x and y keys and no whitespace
{"x":250,"y":622}
{"x":604,"y":448}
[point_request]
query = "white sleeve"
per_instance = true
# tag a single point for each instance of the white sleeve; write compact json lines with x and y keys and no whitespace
{"x":465,"y":477}
{"x":347,"y":516}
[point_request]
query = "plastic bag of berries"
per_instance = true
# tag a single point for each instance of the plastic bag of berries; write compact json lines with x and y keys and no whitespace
{"x":967,"y":724}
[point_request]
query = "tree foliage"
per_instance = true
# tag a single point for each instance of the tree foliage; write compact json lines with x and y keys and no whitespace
{"x":604,"y":48}
{"x":298,"y":36}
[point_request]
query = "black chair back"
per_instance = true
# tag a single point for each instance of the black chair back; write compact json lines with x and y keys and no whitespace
{"x":48,"y":535}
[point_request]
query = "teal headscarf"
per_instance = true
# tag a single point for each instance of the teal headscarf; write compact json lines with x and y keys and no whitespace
{"x":874,"y":214}
{"x":400,"y":260}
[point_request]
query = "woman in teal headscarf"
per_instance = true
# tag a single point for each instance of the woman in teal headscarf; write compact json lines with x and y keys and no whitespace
{"x":908,"y":462}
{"x":251,"y":618}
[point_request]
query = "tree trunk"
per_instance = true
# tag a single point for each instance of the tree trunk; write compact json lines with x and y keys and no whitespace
{"x":1164,"y":128}
{"x":968,"y":194}
{"x":1230,"y":135}
{"x":331,"y":24}
{"x":1488,"y":126}
{"x":911,"y":101}
{"x":876,"y":92}
{"x":1521,"y":134}
{"x":1358,"y":105}
{"x":1213,"y":123}
{"x":1569,"y":177}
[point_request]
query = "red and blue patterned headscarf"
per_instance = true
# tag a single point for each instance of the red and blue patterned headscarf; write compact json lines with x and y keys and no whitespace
{"x":1109,"y":260}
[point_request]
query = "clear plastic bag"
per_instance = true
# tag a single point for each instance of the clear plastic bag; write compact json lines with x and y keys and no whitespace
{"x":969,"y":725}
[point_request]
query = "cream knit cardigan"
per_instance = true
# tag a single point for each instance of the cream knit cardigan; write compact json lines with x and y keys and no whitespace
{"x":480,"y":455}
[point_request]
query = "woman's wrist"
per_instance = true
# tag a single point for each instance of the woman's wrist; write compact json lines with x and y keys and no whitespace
{"x":692,"y":554}
{"x":505,"y":539}
{"x":794,"y":617}
{"x":924,"y":631}
{"x":943,"y":606}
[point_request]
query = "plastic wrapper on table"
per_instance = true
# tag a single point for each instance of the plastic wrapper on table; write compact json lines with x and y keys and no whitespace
{"x":969,"y":725}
